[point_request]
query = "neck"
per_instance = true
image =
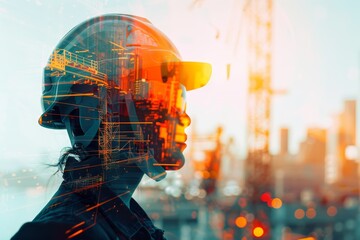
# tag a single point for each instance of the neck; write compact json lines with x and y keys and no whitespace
{"x":123,"y":181}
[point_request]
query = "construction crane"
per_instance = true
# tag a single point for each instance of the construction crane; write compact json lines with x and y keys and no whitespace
{"x":258,"y":14}
{"x":259,"y":95}
{"x":258,"y":162}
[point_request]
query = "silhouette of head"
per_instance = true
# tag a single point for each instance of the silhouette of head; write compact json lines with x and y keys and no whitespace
{"x":118,"y":85}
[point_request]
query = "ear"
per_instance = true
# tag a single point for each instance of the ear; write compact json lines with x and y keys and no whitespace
{"x":88,"y":112}
{"x":76,"y":133}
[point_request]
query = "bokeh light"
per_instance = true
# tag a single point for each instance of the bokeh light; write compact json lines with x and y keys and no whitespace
{"x":241,"y":222}
{"x":299,"y":213}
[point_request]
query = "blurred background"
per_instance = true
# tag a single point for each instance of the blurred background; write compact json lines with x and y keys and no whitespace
{"x":273,"y":149}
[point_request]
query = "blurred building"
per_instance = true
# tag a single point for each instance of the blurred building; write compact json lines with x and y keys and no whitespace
{"x":332,"y":169}
{"x":301,"y":177}
{"x":284,"y":141}
{"x":281,"y":162}
{"x":346,"y":139}
{"x":312,"y":154}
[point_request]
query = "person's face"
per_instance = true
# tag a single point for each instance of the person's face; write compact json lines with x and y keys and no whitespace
{"x":159,"y":123}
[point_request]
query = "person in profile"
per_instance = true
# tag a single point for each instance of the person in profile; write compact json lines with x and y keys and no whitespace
{"x":117,"y":85}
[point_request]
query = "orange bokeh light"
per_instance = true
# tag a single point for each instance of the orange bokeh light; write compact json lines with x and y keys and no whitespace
{"x":311,"y":213}
{"x":331,"y":211}
{"x":258,"y":232}
{"x":299,"y":213}
{"x":276,"y":203}
{"x":241,"y":222}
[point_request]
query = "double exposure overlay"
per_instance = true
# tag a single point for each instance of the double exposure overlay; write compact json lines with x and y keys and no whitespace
{"x":108,"y":132}
{"x":123,"y":84}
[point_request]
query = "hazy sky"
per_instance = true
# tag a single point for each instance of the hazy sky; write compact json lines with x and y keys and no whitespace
{"x":316,"y":59}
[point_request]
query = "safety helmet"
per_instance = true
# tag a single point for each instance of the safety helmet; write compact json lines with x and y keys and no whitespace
{"x":117,"y":81}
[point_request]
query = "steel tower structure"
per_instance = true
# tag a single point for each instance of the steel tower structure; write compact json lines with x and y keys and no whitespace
{"x":258,"y":162}
{"x":259,"y":95}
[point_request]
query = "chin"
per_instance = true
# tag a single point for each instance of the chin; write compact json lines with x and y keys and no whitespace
{"x":174,"y":161}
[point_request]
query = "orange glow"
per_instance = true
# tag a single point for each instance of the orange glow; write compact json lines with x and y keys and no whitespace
{"x":228,"y":235}
{"x":78,"y":225}
{"x":241,"y":222}
{"x":299,"y":214}
{"x":76,"y":233}
{"x":276,"y":203}
{"x":205,"y":174}
{"x":331,"y":211}
{"x":69,"y":95}
{"x":167,"y":164}
{"x":307,"y":238}
{"x":258,"y":232}
{"x":40,"y":121}
{"x":311,"y":213}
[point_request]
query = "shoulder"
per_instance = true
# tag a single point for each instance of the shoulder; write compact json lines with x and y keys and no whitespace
{"x":39,"y":230}
{"x":64,"y":217}
{"x":56,"y":231}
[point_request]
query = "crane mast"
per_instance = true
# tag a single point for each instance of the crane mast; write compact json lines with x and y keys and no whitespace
{"x":258,"y":162}
{"x":259,"y":96}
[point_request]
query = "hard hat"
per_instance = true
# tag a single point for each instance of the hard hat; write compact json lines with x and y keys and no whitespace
{"x":120,"y":82}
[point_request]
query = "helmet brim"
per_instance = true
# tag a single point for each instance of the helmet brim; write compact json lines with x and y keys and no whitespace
{"x":194,"y":75}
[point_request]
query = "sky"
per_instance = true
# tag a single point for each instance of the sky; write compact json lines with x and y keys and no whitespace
{"x":316,"y":54}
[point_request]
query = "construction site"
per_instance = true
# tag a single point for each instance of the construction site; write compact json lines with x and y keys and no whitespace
{"x":266,"y":195}
{"x":311,"y":193}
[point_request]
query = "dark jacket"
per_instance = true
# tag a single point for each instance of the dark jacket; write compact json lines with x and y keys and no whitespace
{"x":82,"y":214}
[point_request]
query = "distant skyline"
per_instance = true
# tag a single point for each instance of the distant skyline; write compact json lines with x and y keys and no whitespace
{"x":316,"y":60}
